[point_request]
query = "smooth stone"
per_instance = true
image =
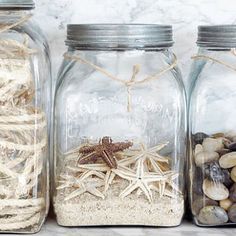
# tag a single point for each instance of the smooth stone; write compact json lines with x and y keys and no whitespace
{"x":215,"y":191}
{"x":199,"y":137}
{"x":212,"y":145}
{"x":198,"y":180}
{"x":222,"y":152}
{"x":232,"y":213}
{"x":218,"y":135}
{"x":214,"y":172}
{"x":226,"y":204}
{"x":228,"y":160}
{"x":203,"y":157}
{"x":233,"y":174}
{"x":213,"y":215}
{"x":232,"y":193}
{"x":226,"y":142}
{"x":232,"y":146}
{"x":198,"y":149}
{"x":201,"y":202}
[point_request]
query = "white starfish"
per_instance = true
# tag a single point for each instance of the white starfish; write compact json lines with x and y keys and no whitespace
{"x":139,"y":179}
{"x":85,"y":183}
{"x":150,"y":154}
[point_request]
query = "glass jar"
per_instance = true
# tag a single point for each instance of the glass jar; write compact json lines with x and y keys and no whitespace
{"x":212,"y":130}
{"x":24,"y":111}
{"x":119,"y":128}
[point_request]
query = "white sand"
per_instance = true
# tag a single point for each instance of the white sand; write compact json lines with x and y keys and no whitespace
{"x":88,"y":210}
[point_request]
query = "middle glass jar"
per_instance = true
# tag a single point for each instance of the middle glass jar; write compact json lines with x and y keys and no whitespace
{"x":120,"y":128}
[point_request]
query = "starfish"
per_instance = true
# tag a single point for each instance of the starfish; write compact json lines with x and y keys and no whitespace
{"x":86,"y":183}
{"x":139,"y":179}
{"x":105,"y":150}
{"x":109,"y":176}
{"x":156,"y":160}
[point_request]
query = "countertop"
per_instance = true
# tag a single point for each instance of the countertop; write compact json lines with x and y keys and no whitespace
{"x":186,"y":229}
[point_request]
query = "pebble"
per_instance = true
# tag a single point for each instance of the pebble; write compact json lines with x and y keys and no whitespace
{"x":198,"y":149}
{"x":198,"y":180}
{"x":222,"y":152}
{"x":212,"y":145}
{"x":218,"y":135}
{"x":232,"y":213}
{"x":199,"y":137}
{"x":226,"y":204}
{"x":228,"y":160}
{"x":201,"y":202}
{"x":226,"y":143}
{"x":232,"y":146}
{"x":232,"y":193}
{"x":214,"y":172}
{"x":215,"y":191}
{"x":204,"y":157}
{"x":213,"y":215}
{"x":233,"y":174}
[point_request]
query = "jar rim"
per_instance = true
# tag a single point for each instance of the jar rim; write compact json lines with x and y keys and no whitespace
{"x":17,"y":4}
{"x":119,"y":36}
{"x":217,"y":36}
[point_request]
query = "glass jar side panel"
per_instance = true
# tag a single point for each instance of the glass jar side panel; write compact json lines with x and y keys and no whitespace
{"x":23,"y":130}
{"x":212,"y":132}
{"x":105,"y":125}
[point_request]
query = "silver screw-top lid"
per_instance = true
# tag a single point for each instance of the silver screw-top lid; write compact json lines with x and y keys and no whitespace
{"x":119,"y":36}
{"x":217,"y":36}
{"x":17,"y":4}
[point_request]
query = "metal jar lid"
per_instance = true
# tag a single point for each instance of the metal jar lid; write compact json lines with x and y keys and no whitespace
{"x":119,"y":36}
{"x":217,"y":36}
{"x":17,"y":4}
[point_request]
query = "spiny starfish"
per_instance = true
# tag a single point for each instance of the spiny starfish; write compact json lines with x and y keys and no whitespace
{"x":139,"y":179}
{"x":85,"y":183}
{"x":150,"y":154}
{"x":105,"y":150}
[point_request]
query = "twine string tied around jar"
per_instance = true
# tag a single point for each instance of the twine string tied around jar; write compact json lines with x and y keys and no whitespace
{"x":129,"y":84}
{"x":205,"y":57}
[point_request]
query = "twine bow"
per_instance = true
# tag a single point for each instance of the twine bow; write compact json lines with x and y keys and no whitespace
{"x":129,"y":84}
{"x":205,"y":57}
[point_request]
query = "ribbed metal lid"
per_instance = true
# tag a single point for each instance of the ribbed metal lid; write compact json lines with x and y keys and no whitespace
{"x":21,"y":4}
{"x":119,"y":36}
{"x":217,"y":36}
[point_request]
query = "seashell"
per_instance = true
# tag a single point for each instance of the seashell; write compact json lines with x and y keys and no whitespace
{"x":215,"y":173}
{"x":204,"y":157}
{"x":212,"y":145}
{"x":228,"y":160}
{"x":213,"y":215}
{"x":215,"y":191}
{"x":233,"y":174}
{"x":226,"y":204}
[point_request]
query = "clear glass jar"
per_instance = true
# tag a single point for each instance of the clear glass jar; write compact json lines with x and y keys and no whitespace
{"x":212,"y":131}
{"x":24,"y":111}
{"x":119,"y":128}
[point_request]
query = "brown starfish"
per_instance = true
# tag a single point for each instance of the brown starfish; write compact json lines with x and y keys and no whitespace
{"x":105,"y":149}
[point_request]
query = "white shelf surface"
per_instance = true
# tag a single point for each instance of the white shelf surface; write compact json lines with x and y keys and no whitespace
{"x":186,"y":229}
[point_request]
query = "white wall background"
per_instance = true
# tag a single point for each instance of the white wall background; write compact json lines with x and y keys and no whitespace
{"x":184,"y":15}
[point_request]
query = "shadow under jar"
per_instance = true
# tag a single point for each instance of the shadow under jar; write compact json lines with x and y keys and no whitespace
{"x":119,"y":128}
{"x":212,"y":130}
{"x":24,"y":108}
